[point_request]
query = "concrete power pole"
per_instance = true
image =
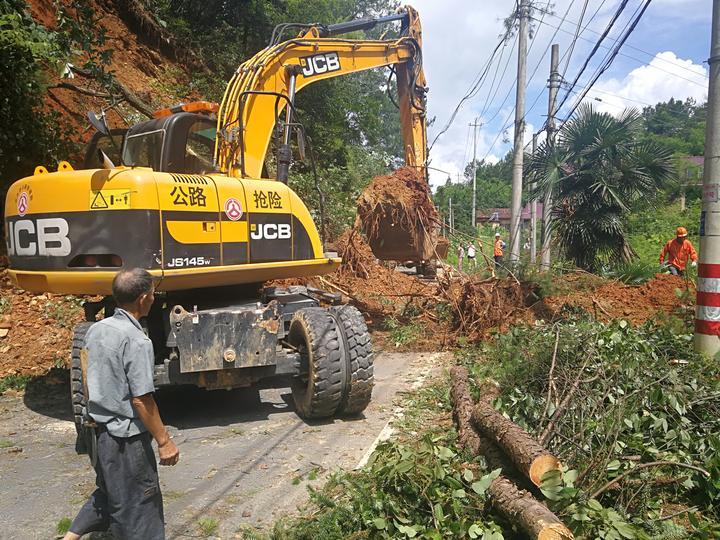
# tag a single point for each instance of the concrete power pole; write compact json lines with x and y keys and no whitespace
{"x":707,"y":314}
{"x":517,"y":170}
{"x":547,"y":201}
{"x":474,"y":125}
{"x":533,"y":215}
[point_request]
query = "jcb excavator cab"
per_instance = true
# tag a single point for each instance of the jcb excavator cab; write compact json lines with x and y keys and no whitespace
{"x":177,"y":142}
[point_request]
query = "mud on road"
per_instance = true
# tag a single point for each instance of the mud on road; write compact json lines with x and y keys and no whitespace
{"x":246,"y":457}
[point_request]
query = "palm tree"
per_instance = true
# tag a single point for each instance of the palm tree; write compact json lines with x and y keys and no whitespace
{"x":597,"y":169}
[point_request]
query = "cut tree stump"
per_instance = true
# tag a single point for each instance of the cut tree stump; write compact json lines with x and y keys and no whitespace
{"x":528,"y":455}
{"x":516,"y":505}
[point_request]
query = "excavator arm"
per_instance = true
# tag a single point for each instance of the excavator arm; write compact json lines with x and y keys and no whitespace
{"x":263,"y":89}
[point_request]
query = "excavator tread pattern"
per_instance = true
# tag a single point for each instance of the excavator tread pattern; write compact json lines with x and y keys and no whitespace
{"x":360,"y":360}
{"x":321,"y":395}
{"x":77,"y":390}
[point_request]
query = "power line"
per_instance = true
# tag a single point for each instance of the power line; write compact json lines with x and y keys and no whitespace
{"x":643,"y":62}
{"x":613,"y":55}
{"x":627,"y":45}
{"x":595,"y":48}
{"x":577,"y":34}
{"x":475,"y":87}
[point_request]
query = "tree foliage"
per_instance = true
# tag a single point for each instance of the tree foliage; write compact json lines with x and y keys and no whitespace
{"x":677,"y":125}
{"x":599,"y":168}
{"x":30,"y":135}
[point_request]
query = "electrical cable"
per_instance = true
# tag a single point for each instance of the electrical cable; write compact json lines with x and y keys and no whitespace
{"x":607,"y":30}
{"x":643,"y":62}
{"x":609,"y":61}
{"x":475,"y":87}
{"x":577,"y":33}
{"x":627,"y":45}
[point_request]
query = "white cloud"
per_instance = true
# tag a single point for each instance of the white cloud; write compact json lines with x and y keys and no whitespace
{"x":665,"y":77}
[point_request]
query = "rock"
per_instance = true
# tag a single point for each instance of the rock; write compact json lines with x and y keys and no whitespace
{"x":4,"y":332}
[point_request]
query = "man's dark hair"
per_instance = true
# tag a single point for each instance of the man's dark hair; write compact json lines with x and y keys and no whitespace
{"x":129,"y":285}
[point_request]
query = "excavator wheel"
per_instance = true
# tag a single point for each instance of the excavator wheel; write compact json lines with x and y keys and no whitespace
{"x":359,"y":358}
{"x":314,"y":332}
{"x":77,"y":389}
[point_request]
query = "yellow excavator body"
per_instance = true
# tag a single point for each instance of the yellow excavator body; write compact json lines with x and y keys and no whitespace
{"x":196,"y":224}
{"x":70,"y":231}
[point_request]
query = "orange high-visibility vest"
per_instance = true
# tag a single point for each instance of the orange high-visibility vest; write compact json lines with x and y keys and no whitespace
{"x":678,"y":253}
{"x":498,"y":251}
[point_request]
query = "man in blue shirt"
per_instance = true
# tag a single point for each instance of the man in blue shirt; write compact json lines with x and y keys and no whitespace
{"x":120,"y":388}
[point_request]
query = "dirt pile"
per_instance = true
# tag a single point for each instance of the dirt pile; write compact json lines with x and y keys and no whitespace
{"x":398,"y":217}
{"x":148,"y":68}
{"x":636,"y":304}
{"x":35,"y":330}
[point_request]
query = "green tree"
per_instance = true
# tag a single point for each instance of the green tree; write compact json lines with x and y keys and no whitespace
{"x":598,"y":169}
{"x":30,"y":136}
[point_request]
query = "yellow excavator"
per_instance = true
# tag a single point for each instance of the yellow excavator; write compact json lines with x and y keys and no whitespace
{"x":187,"y":202}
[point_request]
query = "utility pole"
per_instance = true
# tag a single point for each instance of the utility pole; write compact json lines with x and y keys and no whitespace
{"x":707,"y":314}
{"x":547,"y":200}
{"x":533,"y":214}
{"x":516,"y":201}
{"x":474,"y":125}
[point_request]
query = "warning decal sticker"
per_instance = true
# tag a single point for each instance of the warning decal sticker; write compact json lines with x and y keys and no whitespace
{"x":109,"y":199}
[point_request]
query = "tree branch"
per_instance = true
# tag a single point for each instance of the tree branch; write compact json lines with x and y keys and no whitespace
{"x":646,"y":466}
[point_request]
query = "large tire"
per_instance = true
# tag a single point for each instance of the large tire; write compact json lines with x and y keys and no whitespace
{"x":77,"y":389}
{"x":359,"y":357}
{"x":315,"y":334}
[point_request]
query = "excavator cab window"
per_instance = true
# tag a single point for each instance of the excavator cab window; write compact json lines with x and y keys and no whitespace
{"x":111,"y":148}
{"x":144,"y":149}
{"x":200,"y":146}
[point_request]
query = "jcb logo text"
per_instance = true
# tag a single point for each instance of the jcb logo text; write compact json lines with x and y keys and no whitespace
{"x":271,"y":231}
{"x":319,"y":64}
{"x":46,"y":237}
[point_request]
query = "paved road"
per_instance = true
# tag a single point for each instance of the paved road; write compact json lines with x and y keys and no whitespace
{"x":246,"y":457}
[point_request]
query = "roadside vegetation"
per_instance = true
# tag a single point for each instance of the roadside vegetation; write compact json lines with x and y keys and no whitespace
{"x":633,"y":415}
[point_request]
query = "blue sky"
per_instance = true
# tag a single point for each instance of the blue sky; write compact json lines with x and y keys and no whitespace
{"x":458,"y":36}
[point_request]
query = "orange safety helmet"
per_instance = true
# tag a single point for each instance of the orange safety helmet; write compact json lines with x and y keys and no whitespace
{"x":681,"y":232}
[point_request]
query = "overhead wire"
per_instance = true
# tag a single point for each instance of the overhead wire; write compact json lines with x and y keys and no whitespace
{"x":475,"y":87}
{"x":577,"y":34}
{"x":627,"y":45}
{"x":608,"y":28}
{"x":604,"y":67}
{"x":506,"y":123}
{"x":643,"y":62}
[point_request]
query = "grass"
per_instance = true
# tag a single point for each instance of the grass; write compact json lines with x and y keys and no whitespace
{"x":208,"y":526}
{"x":13,"y":382}
{"x":63,"y":526}
{"x":4,"y":443}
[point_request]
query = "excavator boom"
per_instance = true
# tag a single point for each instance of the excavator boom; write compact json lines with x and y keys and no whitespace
{"x":265,"y":86}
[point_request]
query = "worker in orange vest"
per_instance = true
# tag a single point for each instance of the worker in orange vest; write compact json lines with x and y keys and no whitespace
{"x":678,"y":251}
{"x":498,"y":250}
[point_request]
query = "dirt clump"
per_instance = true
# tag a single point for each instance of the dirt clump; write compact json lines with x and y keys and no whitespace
{"x":664,"y":293}
{"x":398,"y":216}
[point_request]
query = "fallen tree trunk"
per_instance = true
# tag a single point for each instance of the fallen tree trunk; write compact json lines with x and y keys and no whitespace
{"x":516,"y":505}
{"x":524,"y":451}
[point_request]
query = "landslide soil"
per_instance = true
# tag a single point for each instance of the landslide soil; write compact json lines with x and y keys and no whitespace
{"x":39,"y":330}
{"x":614,"y":300}
{"x":154,"y":77}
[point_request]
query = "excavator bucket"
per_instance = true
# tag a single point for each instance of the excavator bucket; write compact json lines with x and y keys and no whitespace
{"x":398,"y":217}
